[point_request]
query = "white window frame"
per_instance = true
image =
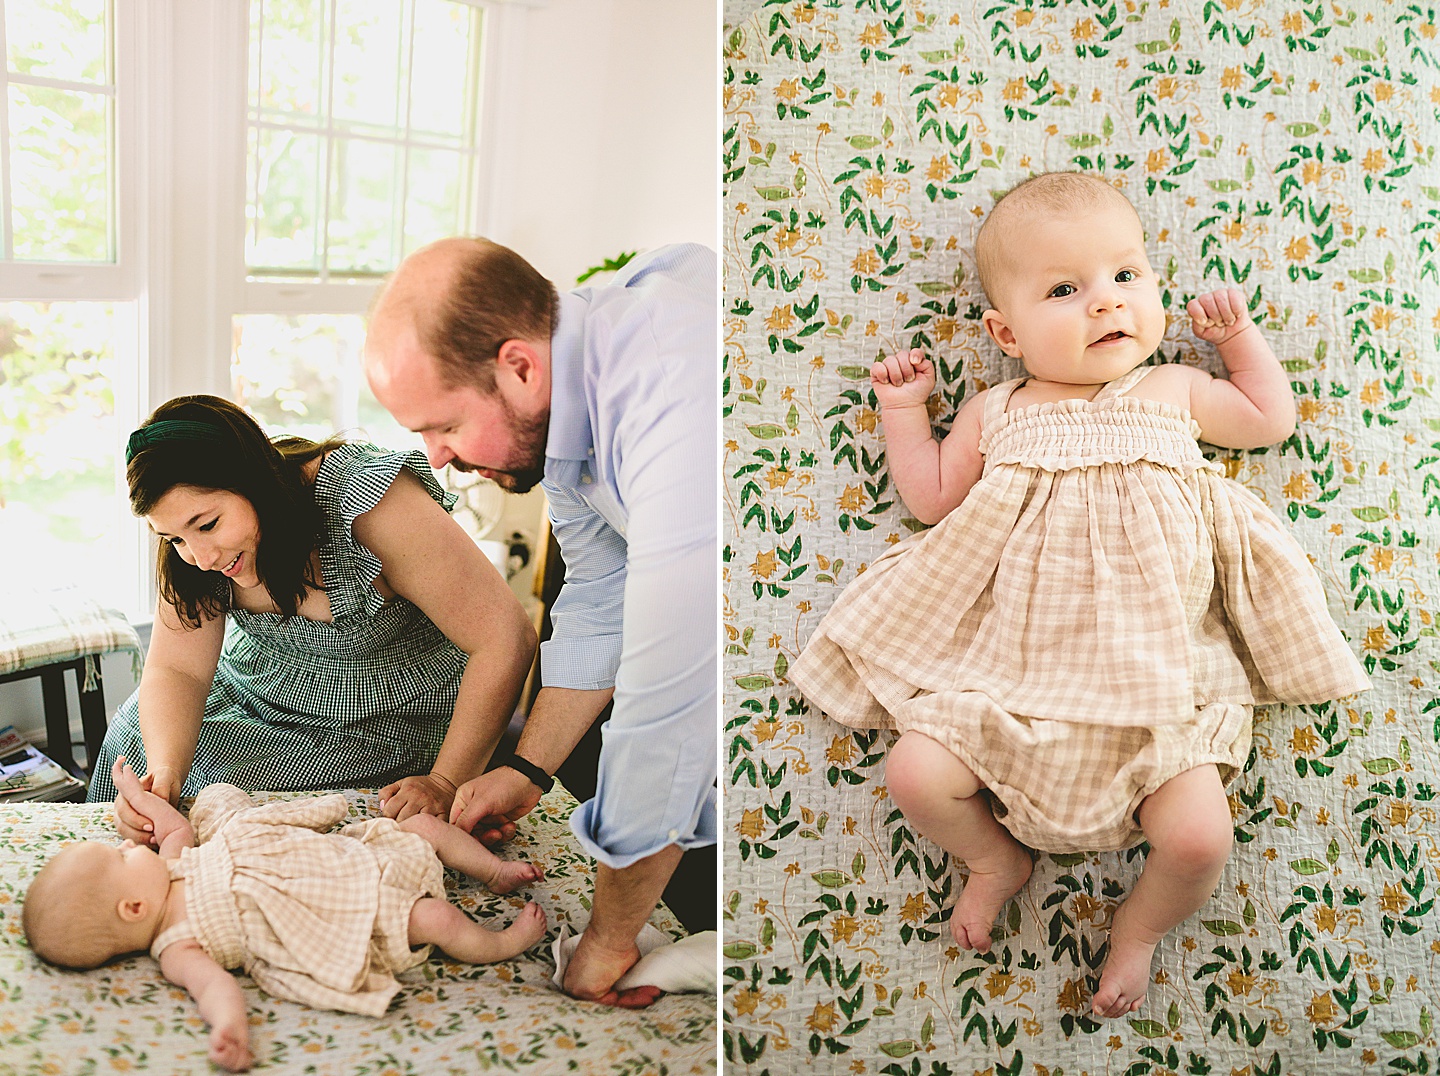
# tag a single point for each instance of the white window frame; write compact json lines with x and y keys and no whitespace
{"x":181,"y":69}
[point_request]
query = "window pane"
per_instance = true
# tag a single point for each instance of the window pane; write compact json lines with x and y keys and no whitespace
{"x":432,"y":206}
{"x":60,"y":174}
{"x":62,"y":39}
{"x":441,"y":76}
{"x":288,"y":42}
{"x":367,"y":62}
{"x":285,"y":169}
{"x":363,"y":213}
{"x":302,"y":374}
{"x":60,"y":501}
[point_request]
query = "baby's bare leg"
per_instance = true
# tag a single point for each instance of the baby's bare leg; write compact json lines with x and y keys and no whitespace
{"x":458,"y":849}
{"x":937,"y":794}
{"x":1187,"y":822}
{"x":438,"y":922}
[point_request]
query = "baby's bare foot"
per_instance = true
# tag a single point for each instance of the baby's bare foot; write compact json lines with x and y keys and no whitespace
{"x":527,"y":929}
{"x":1126,"y":975}
{"x":513,"y":874}
{"x":984,"y":895}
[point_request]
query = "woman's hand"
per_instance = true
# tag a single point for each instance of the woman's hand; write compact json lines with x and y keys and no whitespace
{"x":1219,"y":316}
{"x":163,"y":781}
{"x":903,"y":379}
{"x":427,"y":794}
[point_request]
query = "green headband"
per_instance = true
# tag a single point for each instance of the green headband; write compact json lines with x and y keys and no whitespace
{"x":171,"y":430}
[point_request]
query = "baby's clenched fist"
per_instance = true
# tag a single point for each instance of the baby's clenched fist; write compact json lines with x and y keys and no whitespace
{"x":904,"y":378}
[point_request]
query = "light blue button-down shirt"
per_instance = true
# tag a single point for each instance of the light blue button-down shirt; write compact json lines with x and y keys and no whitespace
{"x":631,"y":474}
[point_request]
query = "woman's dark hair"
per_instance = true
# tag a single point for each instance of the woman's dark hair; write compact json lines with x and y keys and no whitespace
{"x":238,"y":459}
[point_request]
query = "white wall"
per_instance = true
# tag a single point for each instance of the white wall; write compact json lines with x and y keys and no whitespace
{"x":610,"y":138}
{"x":606,"y":128}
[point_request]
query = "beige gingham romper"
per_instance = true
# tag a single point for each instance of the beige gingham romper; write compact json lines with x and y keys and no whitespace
{"x":1099,"y":616}
{"x":319,"y":918}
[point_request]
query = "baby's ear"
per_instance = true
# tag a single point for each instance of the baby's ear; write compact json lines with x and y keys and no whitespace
{"x":132,"y":911}
{"x":1000,"y":332}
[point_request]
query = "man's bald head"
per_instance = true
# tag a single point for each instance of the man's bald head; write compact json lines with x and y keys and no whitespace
{"x":1052,"y":194}
{"x":463,"y":298}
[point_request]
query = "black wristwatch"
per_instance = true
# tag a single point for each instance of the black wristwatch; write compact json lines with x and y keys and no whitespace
{"x":537,"y":777}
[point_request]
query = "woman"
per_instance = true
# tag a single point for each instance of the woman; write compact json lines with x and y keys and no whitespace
{"x":369,"y":640}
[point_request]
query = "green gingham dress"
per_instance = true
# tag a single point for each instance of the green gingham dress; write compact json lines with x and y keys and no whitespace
{"x":302,"y":704}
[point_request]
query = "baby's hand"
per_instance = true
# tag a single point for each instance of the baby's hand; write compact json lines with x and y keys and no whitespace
{"x":904,"y":379}
{"x":230,"y":1045}
{"x":1219,"y":315}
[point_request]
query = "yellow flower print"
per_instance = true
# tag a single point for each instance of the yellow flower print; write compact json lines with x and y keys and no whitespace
{"x":1166,"y":87}
{"x":843,"y":928}
{"x":949,"y":96}
{"x":866,"y":263}
{"x":1157,"y":161}
{"x":853,"y":499}
{"x":1232,"y":78}
{"x":1024,"y":18}
{"x":1377,"y":639}
{"x":780,"y":319}
{"x":1381,"y":558}
{"x":779,"y":477}
{"x":1373,"y":161}
{"x":1325,"y":919}
{"x":1371,"y":393}
{"x":788,"y":90}
{"x":1384,"y":91}
{"x":745,"y":1000}
{"x":752,"y":823}
{"x":999,"y":983}
{"x":915,"y":909}
{"x":764,"y":566}
{"x":1084,"y":30}
{"x":1382,"y":318}
{"x":1399,"y":813}
{"x":1298,"y":249}
{"x":1297,"y":488}
{"x":873,"y":34}
{"x":1394,"y":899}
{"x":1292,"y":23}
{"x":939,"y":169}
{"x":875,"y":186}
{"x":945,"y":329}
{"x":865,"y":420}
{"x":1304,"y":740}
{"x":1322,"y":1008}
{"x":1240,"y":983}
{"x":841,"y":751}
{"x":1014,"y":90}
{"x":823,"y":1018}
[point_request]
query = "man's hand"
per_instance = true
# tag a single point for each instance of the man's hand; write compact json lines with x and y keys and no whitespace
{"x":903,"y":379}
{"x":1218,"y":316}
{"x":144,"y":814}
{"x":492,"y":802}
{"x":230,"y":1044}
{"x":594,"y":970}
{"x":422,"y":794}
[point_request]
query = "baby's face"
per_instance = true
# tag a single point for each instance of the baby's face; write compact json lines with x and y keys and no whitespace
{"x":126,"y":872}
{"x":1079,"y":303}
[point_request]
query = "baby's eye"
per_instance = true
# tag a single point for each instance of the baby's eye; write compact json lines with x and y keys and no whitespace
{"x":1060,"y":291}
{"x":1125,"y":276}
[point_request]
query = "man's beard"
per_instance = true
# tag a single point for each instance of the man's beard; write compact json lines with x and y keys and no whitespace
{"x":529,"y":434}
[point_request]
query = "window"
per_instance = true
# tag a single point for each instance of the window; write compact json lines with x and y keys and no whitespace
{"x":362,"y":145}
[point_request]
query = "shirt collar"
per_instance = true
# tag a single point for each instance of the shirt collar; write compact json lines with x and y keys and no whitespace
{"x":569,"y":436}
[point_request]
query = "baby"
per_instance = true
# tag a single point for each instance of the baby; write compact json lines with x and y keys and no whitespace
{"x":321,"y":918}
{"x":1085,"y":633}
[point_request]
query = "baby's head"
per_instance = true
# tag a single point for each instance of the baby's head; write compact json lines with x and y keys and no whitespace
{"x":95,"y":901}
{"x":1062,"y":261}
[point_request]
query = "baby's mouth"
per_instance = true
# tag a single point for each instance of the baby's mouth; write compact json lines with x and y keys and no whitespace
{"x":1116,"y":335}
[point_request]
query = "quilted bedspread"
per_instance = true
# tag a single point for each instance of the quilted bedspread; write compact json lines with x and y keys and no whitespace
{"x":1284,"y":148}
{"x":448,"y":1018}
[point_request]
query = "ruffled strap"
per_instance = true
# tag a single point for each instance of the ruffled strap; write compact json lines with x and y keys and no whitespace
{"x":997,"y":400}
{"x":350,"y":482}
{"x":1122,"y":384}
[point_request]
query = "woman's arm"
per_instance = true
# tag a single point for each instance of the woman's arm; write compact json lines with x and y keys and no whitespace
{"x":932,"y":477}
{"x":428,"y":559}
{"x":179,"y":669}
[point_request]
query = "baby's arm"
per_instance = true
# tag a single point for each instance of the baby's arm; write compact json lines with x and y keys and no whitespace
{"x":221,"y":1002}
{"x":932,"y":477}
{"x":169,"y":829}
{"x":1255,"y":406}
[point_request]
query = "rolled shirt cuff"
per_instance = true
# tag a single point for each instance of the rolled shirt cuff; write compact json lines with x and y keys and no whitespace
{"x":618,"y":842}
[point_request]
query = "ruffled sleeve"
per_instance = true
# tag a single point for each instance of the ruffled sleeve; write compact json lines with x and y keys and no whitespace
{"x":350,"y":482}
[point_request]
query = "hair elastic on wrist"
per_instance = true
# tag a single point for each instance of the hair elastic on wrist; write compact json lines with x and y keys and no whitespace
{"x":537,"y":777}
{"x":171,"y":430}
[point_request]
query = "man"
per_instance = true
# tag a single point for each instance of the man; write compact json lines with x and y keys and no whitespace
{"x":606,"y":395}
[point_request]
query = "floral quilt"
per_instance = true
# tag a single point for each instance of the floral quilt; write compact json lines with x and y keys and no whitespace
{"x":1287,"y":149}
{"x":447,"y":1019}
